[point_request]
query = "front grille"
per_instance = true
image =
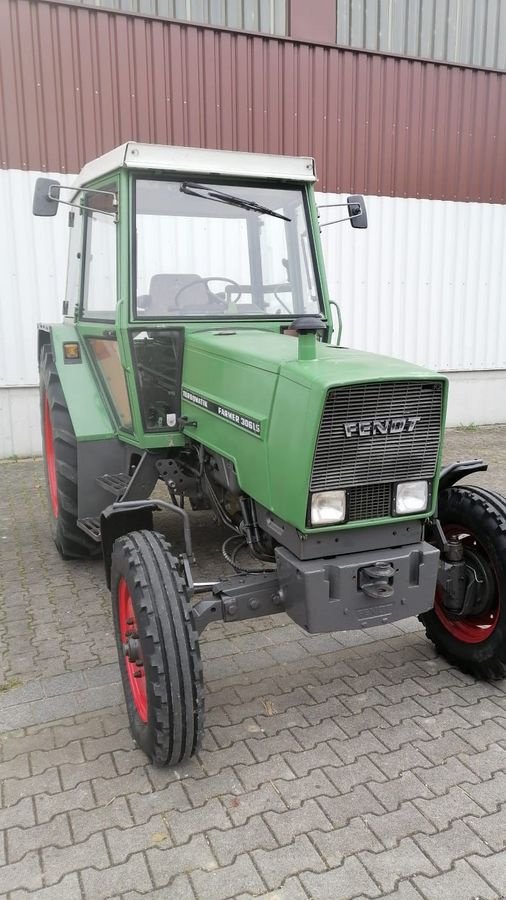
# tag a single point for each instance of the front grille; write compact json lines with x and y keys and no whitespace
{"x":369,"y":501}
{"x":369,"y":464}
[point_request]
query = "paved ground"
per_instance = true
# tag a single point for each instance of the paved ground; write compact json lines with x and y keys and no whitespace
{"x":355,"y":765}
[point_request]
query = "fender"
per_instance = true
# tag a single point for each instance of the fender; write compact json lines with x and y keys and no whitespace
{"x":456,"y":471}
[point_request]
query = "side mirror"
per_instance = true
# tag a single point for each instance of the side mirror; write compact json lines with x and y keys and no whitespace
{"x":45,"y":197}
{"x":357,"y":211}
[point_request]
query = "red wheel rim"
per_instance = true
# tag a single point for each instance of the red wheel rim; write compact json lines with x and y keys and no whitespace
{"x":470,"y":629}
{"x":132,"y":650}
{"x":50,"y":458}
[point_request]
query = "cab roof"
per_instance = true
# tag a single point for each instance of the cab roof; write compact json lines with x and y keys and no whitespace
{"x":158,"y":157}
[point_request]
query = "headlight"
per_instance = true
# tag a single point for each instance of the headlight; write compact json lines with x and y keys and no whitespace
{"x":411,"y":497}
{"x":328,"y":507}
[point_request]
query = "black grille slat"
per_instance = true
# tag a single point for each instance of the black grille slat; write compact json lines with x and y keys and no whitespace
{"x":370,"y":501}
{"x":346,"y":462}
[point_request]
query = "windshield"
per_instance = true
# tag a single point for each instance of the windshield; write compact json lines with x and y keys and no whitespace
{"x":222,"y":250}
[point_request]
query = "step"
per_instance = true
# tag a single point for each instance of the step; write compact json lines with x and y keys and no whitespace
{"x":116,"y":484}
{"x":91,"y":527}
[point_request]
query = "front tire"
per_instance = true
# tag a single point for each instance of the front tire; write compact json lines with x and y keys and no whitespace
{"x":60,"y":462}
{"x":158,"y":648}
{"x":475,"y":643}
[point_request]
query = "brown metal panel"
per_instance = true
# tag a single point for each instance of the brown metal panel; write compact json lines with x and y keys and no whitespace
{"x":76,"y":81}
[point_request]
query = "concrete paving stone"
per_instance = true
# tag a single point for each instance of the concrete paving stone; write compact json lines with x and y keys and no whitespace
{"x":21,"y":840}
{"x":336,"y":845}
{"x":165,"y":864}
{"x":489,"y":795}
{"x":49,"y":805}
{"x":290,"y":890}
{"x":214,"y":761}
{"x":395,"y":736}
{"x":451,"y":773}
{"x":180,"y":889}
{"x":76,"y":729}
{"x":371,"y":678}
{"x":482,"y":710}
{"x":455,"y":804}
{"x":17,"y":767}
{"x":365,"y":720}
{"x":204,"y":789}
{"x":263,"y":747}
{"x":395,"y":693}
{"x":288,"y":824}
{"x":220,"y":668}
{"x":345,"y":777}
{"x":274,"y":768}
{"x":283,"y":653}
{"x":456,"y":842}
{"x":66,"y":889}
{"x":108,"y":674}
{"x":107,"y":789}
{"x":309,"y":736}
{"x":357,"y":802}
{"x":438,"y":749}
{"x":128,"y":757}
{"x":227,"y":845}
{"x":72,"y":774}
{"x":490,"y":828}
{"x":406,"y":821}
{"x":276,"y":865}
{"x":343,"y":882}
{"x":130,"y":838}
{"x":404,"y":891}
{"x":405,"y":759}
{"x":486,"y":763}
{"x":273,"y":722}
{"x":396,"y":713}
{"x":267,"y":797}
{"x":147,"y":803}
{"x":102,"y":884}
{"x":350,"y":749}
{"x":228,"y":882}
{"x":70,"y":754}
{"x":16,"y":788}
{"x":21,"y":814}
{"x":355,"y":703}
{"x":94,"y":747}
{"x":480,"y":737}
{"x":32,"y":690}
{"x":396,"y":791}
{"x":57,"y":862}
{"x":281,"y":703}
{"x":389,"y":866}
{"x":460,"y":883}
{"x":85,"y":822}
{"x":182,"y":825}
{"x":304,"y":761}
{"x":63,"y":684}
{"x":25,"y":875}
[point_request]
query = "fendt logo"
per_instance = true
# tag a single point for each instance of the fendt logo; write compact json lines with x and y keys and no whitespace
{"x":370,"y":427}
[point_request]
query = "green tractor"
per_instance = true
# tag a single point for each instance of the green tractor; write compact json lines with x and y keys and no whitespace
{"x":196,"y":350}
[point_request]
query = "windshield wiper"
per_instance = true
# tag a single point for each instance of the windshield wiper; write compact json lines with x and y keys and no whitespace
{"x":194,"y":189}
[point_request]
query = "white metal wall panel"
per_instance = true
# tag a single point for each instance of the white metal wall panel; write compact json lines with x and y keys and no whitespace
{"x":425,"y":282}
{"x":33,"y":260}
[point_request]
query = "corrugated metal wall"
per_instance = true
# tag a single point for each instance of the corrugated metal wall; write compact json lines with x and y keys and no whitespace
{"x":268,"y":16}
{"x":376,"y":124}
{"x":471,"y":32}
{"x":425,"y":282}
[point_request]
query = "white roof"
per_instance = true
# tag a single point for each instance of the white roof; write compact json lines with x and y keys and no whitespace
{"x":196,"y":160}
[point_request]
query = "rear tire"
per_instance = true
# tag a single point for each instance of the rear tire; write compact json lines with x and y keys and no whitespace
{"x":158,"y":648}
{"x":477,"y":642}
{"x":60,"y":463}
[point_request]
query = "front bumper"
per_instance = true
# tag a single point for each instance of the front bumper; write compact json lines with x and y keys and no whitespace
{"x":335,"y":594}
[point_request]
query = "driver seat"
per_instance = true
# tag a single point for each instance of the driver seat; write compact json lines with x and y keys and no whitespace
{"x":164,"y":288}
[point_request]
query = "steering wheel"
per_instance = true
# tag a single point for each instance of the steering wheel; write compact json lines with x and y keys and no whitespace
{"x":206,"y":282}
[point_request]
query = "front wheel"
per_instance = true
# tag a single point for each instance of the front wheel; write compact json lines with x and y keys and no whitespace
{"x":476,"y":643}
{"x":158,"y":648}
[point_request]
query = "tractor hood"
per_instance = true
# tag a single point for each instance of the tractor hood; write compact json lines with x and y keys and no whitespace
{"x":251,"y":399}
{"x":278,"y":354}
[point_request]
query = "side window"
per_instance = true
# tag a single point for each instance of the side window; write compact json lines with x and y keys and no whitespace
{"x":100,"y":288}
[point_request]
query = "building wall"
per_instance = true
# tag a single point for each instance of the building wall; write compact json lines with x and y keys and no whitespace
{"x":425,"y":141}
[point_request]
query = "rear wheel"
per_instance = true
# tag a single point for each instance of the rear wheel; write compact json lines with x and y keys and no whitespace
{"x":60,"y":461}
{"x":475,"y":642}
{"x":158,"y":648}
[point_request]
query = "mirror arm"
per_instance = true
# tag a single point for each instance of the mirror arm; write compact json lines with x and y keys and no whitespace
{"x":61,"y":187}
{"x":336,"y":221}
